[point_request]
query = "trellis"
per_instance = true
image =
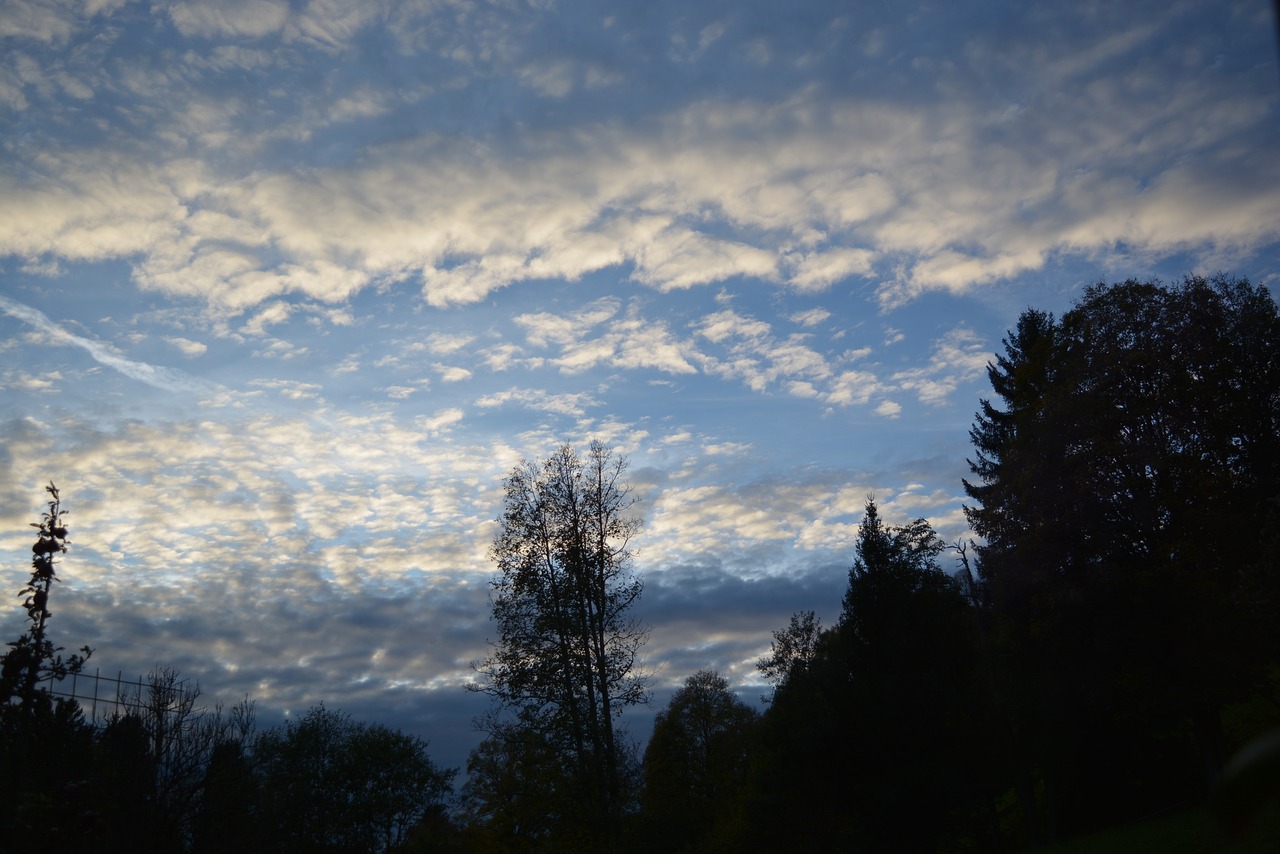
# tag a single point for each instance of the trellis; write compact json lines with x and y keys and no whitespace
{"x":129,"y":695}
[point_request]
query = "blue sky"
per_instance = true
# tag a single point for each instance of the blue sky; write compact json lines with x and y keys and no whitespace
{"x":286,"y":288}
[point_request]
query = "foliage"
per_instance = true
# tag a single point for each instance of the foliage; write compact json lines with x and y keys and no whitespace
{"x":1122,"y":492}
{"x":792,"y":649}
{"x":329,"y":783}
{"x":519,"y":794}
{"x":879,"y":737}
{"x":177,"y":738}
{"x":33,"y":659}
{"x":228,"y":816}
{"x":564,"y":663}
{"x":695,"y":766}
{"x":44,"y":741}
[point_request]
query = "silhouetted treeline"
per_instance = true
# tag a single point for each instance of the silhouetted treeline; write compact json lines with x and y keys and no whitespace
{"x":1093,"y":659}
{"x":1109,"y":642}
{"x":1112,"y":639}
{"x":166,"y":774}
{"x":169,"y":777}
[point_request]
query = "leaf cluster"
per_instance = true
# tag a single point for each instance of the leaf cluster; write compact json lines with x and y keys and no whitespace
{"x":33,"y":659}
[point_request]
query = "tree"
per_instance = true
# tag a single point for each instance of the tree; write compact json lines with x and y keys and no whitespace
{"x":878,"y":739}
{"x":908,"y":643}
{"x":331,"y":784}
{"x":791,"y":650}
{"x":124,"y":778}
{"x":564,"y":662}
{"x":179,"y":738}
{"x":33,"y":659}
{"x":695,"y":766}
{"x":44,"y":741}
{"x":519,"y":794}
{"x":1121,"y":491}
{"x":228,"y":817}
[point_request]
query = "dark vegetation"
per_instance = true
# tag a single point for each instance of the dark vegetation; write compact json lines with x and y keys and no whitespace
{"x":1091,"y":663}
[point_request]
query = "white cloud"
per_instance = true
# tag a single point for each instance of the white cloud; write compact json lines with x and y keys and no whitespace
{"x":795,"y":183}
{"x":543,"y":328}
{"x":680,"y":258}
{"x":811,"y":317}
{"x":23,"y":381}
{"x":819,"y":270}
{"x":188,"y":347}
{"x":959,"y":356}
{"x":444,"y":343}
{"x":630,"y":342}
{"x":251,"y":18}
{"x":51,"y":22}
{"x":759,"y":360}
{"x":441,"y":422}
{"x":564,"y":404}
{"x":728,"y":323}
{"x":643,"y":344}
{"x":277,"y":348}
{"x":452,"y":373}
{"x":290,"y":389}
{"x":501,"y":357}
{"x":159,"y":376}
{"x":400,"y":392}
{"x":850,"y":388}
{"x":349,"y":365}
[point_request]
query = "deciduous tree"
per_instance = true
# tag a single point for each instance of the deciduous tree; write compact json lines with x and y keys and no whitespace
{"x":565,"y":660}
{"x":520,"y":795}
{"x":695,"y":766}
{"x":333,"y":784}
{"x":791,"y":650}
{"x":44,"y":741}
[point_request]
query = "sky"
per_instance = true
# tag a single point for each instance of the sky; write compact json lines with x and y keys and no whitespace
{"x":287,"y":288}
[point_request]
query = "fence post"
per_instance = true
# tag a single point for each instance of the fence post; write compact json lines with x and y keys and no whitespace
{"x":97,"y":673}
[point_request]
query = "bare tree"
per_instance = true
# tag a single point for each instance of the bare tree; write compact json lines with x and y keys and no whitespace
{"x":181,"y":736}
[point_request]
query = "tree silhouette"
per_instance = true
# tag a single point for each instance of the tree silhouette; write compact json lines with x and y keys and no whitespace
{"x":33,"y":658}
{"x":1122,"y":490}
{"x":791,"y":650}
{"x":44,"y":741}
{"x":696,"y":765}
{"x":565,"y":659}
{"x":329,"y":783}
{"x":880,"y":737}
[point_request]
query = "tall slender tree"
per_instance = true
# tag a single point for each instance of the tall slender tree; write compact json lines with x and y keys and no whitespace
{"x":33,"y":658}
{"x":44,"y":741}
{"x":565,"y":661}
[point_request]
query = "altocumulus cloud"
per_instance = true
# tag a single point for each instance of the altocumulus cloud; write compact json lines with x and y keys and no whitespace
{"x":279,"y":312}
